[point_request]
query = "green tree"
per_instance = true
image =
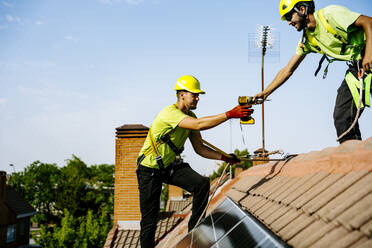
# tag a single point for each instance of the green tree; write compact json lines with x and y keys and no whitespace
{"x":38,"y":185}
{"x":78,"y":199}
{"x":73,"y":187}
{"x":89,"y":231}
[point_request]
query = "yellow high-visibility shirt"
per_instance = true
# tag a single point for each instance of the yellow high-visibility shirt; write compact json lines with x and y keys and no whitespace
{"x":166,"y":121}
{"x":341,"y":20}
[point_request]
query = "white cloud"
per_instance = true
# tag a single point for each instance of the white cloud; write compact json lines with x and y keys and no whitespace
{"x":39,"y":22}
{"x":71,"y":38}
{"x":11,"y":18}
{"x":3,"y":100}
{"x":121,"y":1}
{"x":6,"y":4}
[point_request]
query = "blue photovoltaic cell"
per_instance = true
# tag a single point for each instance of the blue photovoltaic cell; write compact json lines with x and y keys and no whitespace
{"x":229,"y":226}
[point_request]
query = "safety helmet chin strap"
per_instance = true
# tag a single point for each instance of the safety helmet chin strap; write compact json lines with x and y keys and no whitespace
{"x":303,"y":22}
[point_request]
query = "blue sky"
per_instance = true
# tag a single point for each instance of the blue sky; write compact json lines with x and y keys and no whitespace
{"x":73,"y":71}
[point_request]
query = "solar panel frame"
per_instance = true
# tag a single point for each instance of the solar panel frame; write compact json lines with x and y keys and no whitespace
{"x":230,"y":226}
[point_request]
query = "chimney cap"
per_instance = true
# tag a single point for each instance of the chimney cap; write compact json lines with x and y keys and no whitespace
{"x":132,"y":131}
{"x":260,"y":150}
{"x":127,"y":127}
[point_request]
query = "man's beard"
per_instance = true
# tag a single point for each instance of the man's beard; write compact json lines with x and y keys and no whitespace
{"x":302,"y":23}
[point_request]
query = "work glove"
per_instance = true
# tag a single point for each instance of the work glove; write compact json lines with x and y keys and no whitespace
{"x":233,"y":160}
{"x":239,"y":112}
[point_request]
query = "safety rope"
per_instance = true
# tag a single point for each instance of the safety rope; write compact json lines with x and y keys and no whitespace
{"x":209,"y":201}
{"x":360,"y":77}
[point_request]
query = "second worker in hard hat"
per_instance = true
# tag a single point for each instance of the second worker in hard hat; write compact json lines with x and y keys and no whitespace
{"x":338,"y":34}
{"x":159,"y":159}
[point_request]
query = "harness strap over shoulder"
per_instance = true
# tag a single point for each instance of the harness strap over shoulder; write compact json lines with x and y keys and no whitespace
{"x":315,"y":44}
{"x":329,"y":28}
{"x":158,"y":158}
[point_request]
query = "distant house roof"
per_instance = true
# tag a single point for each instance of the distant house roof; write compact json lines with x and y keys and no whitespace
{"x":19,"y":206}
{"x":130,"y":238}
{"x":317,"y":199}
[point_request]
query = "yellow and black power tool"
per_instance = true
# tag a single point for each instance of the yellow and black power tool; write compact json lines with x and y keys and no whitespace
{"x":248,"y":100}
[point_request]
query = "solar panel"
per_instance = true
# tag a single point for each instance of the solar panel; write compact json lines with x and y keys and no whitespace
{"x":230,"y":226}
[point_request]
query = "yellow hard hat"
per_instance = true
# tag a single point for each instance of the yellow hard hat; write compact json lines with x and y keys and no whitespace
{"x":188,"y":83}
{"x":286,"y":6}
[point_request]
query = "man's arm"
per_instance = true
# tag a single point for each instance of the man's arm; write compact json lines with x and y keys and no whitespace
{"x":366,"y":23}
{"x":282,"y":76}
{"x":211,"y":121}
{"x":202,"y":149}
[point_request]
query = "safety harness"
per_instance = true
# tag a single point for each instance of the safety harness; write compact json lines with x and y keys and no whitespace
{"x":351,"y":80}
{"x":153,"y":148}
{"x":354,"y":85}
{"x":314,"y":43}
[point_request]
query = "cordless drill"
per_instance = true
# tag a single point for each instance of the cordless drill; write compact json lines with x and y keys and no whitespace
{"x":248,"y":101}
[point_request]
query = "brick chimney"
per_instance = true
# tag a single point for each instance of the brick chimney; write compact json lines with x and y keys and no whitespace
{"x":129,"y":141}
{"x":2,"y":185}
{"x":175,"y":193}
{"x":238,"y":170}
{"x":260,"y":153}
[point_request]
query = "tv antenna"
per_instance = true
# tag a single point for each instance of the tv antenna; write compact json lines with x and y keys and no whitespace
{"x":265,"y":42}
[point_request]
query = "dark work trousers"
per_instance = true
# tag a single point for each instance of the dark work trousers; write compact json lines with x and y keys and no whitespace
{"x":150,"y":184}
{"x":346,"y":110}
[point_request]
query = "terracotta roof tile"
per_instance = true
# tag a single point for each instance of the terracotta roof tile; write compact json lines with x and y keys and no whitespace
{"x":261,"y":203}
{"x":267,"y":209}
{"x":347,"y":199}
{"x":330,"y":237}
{"x":357,"y":215}
{"x":348,"y":240}
{"x":313,"y":181}
{"x":333,"y":191}
{"x":294,"y":187}
{"x":249,"y":201}
{"x":296,"y":226}
{"x":130,"y":238}
{"x":244,"y":185}
{"x":127,"y":238}
{"x":236,"y":195}
{"x":270,"y":185}
{"x":367,"y":229}
{"x":363,"y":243}
{"x":274,"y":215}
{"x":316,"y":190}
{"x":316,"y":235}
{"x":296,"y":240}
{"x":290,"y":181}
{"x":285,"y":219}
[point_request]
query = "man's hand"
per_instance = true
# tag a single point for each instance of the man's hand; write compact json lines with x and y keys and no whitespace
{"x":367,"y":62}
{"x":233,"y":160}
{"x":366,"y":23}
{"x":239,"y":112}
{"x":261,"y":96}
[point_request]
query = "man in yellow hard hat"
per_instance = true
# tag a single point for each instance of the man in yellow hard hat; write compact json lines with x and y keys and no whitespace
{"x":336,"y":32}
{"x":159,"y":159}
